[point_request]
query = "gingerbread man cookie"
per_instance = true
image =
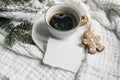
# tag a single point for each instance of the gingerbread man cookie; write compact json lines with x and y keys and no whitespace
{"x":92,"y":42}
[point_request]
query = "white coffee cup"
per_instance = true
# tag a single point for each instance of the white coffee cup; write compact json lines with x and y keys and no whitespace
{"x":80,"y":20}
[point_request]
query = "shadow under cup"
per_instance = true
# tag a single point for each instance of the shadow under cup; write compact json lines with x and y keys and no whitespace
{"x":62,"y":8}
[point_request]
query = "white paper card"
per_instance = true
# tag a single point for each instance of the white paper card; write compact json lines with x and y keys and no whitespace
{"x":63,"y":55}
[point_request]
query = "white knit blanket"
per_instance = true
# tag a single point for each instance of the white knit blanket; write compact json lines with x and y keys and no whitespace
{"x":24,"y":61}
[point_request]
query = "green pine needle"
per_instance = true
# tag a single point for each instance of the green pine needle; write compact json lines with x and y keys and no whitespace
{"x":6,"y":22}
{"x":24,"y":26}
{"x":9,"y":40}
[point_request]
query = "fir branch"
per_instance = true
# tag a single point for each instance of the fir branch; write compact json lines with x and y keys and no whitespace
{"x":20,"y":32}
{"x":9,"y":40}
{"x":6,"y":24}
{"x":24,"y":26}
{"x":3,"y":20}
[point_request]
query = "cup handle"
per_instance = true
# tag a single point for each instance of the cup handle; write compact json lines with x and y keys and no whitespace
{"x":84,"y":20}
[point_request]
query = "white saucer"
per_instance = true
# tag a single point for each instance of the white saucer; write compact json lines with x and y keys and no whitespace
{"x":40,"y":34}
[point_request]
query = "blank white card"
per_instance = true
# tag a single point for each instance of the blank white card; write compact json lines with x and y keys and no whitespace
{"x":63,"y":55}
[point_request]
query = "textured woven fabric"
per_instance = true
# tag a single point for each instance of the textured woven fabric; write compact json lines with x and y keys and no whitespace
{"x":21,"y":11}
{"x":109,"y":4}
{"x":112,"y":9}
{"x":104,"y":65}
{"x":23,"y":62}
{"x":17,"y":67}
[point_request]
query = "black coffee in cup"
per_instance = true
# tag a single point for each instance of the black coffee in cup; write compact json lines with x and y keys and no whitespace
{"x":63,"y":20}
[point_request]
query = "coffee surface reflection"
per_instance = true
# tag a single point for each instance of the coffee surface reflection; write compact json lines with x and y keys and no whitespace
{"x":62,"y":20}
